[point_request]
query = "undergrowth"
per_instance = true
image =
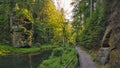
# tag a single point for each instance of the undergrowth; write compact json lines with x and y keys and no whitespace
{"x":60,"y":57}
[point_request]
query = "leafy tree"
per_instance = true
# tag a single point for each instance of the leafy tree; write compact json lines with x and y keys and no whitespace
{"x":48,"y":22}
{"x":4,"y":21}
{"x":81,"y":12}
{"x":88,"y":28}
{"x":49,"y":27}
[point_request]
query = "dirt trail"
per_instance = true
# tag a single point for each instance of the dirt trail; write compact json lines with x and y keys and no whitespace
{"x":85,"y":60}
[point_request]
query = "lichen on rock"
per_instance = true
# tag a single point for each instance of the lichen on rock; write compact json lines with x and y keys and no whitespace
{"x":22,"y":25}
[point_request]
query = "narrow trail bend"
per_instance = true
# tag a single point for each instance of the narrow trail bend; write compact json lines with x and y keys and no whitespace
{"x":85,"y":60}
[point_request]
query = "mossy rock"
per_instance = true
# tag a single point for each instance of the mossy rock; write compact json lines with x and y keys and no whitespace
{"x":115,"y":59}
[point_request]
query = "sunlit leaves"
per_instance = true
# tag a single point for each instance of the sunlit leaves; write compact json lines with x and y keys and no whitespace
{"x":24,"y":13}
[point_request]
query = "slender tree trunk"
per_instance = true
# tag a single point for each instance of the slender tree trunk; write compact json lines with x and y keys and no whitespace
{"x":63,"y":37}
{"x":91,"y":8}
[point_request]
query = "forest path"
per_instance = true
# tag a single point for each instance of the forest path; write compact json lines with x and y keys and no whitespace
{"x":85,"y":60}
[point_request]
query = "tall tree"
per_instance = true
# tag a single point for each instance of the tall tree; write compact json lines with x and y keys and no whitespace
{"x":87,"y":22}
{"x":48,"y":22}
{"x":81,"y":12}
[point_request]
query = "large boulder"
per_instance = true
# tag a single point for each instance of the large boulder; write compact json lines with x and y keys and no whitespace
{"x":103,"y":55}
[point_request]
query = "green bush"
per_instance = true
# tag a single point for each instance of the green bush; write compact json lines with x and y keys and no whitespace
{"x":57,"y":52}
{"x":59,"y":58}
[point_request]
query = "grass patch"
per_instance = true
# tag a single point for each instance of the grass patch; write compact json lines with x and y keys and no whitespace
{"x":9,"y":49}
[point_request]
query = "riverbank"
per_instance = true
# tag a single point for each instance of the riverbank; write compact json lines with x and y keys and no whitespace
{"x":38,"y":56}
{"x":8,"y":49}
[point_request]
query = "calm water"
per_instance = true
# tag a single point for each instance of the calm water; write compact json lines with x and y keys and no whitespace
{"x":24,"y":61}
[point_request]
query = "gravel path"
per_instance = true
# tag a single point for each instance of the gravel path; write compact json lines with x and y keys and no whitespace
{"x":85,"y":60}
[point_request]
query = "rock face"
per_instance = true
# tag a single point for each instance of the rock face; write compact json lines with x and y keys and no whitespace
{"x":111,"y":37}
{"x":103,"y":55}
{"x":21,"y":32}
{"x":115,"y":58}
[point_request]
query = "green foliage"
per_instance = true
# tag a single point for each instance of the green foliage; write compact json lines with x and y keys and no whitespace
{"x":48,"y":23}
{"x":81,"y":12}
{"x":8,"y":8}
{"x":4,"y":22}
{"x":59,"y":58}
{"x":24,"y":13}
{"x":7,"y":49}
{"x":90,"y":36}
{"x":57,"y":52}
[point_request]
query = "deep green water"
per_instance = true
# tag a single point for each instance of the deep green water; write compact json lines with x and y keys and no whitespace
{"x":31,"y":60}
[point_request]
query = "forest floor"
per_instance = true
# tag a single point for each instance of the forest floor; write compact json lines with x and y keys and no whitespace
{"x":85,"y":60}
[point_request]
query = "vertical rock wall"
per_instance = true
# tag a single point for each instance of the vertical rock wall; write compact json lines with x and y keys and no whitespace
{"x":112,"y":34}
{"x":21,"y":32}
